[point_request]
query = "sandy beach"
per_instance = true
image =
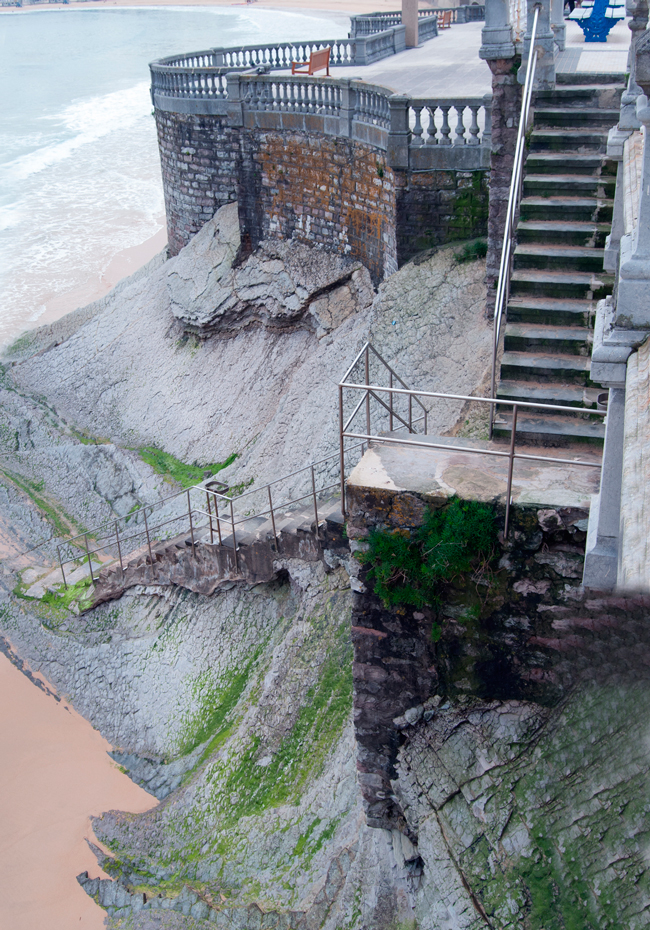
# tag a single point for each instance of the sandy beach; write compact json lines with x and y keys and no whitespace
{"x":59,"y":777}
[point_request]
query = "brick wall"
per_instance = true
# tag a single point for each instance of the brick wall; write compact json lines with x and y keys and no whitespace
{"x":199,"y":157}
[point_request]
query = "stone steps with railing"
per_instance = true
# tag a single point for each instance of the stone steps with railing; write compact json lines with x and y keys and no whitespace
{"x":558,"y":276}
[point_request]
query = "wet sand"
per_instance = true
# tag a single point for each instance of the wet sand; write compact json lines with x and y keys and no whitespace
{"x":122,"y":265}
{"x":55,"y":775}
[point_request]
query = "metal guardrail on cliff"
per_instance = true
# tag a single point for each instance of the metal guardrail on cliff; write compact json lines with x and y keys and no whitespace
{"x":395,"y":404}
{"x":514,"y":196}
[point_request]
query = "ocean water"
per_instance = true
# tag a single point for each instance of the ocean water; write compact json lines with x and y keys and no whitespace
{"x":79,"y":168}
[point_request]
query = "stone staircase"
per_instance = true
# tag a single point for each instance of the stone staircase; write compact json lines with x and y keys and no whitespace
{"x":558,"y":276}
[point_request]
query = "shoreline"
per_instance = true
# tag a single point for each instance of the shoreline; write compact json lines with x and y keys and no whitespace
{"x":316,"y":6}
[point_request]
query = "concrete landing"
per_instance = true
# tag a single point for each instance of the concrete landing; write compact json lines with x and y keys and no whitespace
{"x":442,"y":473}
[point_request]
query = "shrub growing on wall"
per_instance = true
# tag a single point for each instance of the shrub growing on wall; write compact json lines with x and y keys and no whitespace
{"x":413,"y":568}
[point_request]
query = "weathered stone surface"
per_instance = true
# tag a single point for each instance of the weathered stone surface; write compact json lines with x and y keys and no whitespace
{"x":634,"y":561}
{"x":282,"y":284}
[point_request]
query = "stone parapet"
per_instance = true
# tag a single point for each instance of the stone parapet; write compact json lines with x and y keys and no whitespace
{"x":634,"y":549}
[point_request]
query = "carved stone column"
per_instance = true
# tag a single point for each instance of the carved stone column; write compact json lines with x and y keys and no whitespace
{"x":544,"y":42}
{"x":496,"y":34}
{"x":557,"y":23}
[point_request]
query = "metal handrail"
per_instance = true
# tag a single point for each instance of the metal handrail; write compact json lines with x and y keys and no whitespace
{"x":514,"y":196}
{"x":511,"y":454}
{"x":148,"y":533}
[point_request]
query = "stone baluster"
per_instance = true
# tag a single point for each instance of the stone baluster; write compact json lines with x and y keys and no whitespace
{"x":473,"y":126}
{"x":445,"y":129}
{"x":416,"y":139}
{"x":432,"y":129}
{"x":487,"y":130}
{"x":459,"y":138}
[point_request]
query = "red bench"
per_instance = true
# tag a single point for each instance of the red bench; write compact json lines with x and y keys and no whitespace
{"x":444,"y":19}
{"x":317,"y":61}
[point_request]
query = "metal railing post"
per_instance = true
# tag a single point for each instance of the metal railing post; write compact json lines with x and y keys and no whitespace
{"x":90,"y":564}
{"x":207,"y":501}
{"x":313,"y":491}
{"x":410,"y":413}
{"x":275,"y":535}
{"x":119,"y":549}
{"x":234,"y":538}
{"x":216,"y":513}
{"x":189,"y":513}
{"x":367,"y":373}
{"x":511,"y":464}
{"x":341,"y":451}
{"x":146,"y":529}
{"x":390,"y":413}
{"x":65,"y":583}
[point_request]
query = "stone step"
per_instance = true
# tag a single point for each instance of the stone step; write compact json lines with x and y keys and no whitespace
{"x":557,"y":340}
{"x":552,"y":256}
{"x":527,"y":366}
{"x":572,"y":78}
{"x":574,"y":284}
{"x":562,"y":140}
{"x":588,"y":234}
{"x":550,"y":430}
{"x":580,"y":118}
{"x":563,"y":395}
{"x":591,"y":163}
{"x":567,"y":209}
{"x":606,"y":95}
{"x":551,"y":311}
{"x":563,"y":185}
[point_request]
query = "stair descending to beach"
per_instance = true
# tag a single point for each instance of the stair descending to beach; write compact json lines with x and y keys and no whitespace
{"x":558,"y":277}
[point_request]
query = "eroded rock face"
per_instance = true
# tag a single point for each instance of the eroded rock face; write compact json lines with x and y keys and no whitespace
{"x":283,"y":284}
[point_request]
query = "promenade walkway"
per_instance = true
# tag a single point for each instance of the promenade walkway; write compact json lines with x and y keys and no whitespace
{"x":449,"y":66}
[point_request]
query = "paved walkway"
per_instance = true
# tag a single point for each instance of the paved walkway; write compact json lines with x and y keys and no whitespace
{"x":449,"y":66}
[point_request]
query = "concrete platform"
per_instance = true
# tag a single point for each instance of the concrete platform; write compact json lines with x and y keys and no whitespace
{"x":442,"y":473}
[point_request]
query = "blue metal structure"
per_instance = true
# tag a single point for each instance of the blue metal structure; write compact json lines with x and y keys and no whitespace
{"x":598,"y":17}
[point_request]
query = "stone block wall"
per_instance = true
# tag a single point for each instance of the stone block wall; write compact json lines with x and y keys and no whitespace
{"x":434,"y":207}
{"x":199,"y":158}
{"x":327,"y":191}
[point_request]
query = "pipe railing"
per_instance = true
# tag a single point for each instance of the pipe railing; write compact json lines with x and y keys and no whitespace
{"x":221,"y":521}
{"x":367,"y":390}
{"x":514,"y":196}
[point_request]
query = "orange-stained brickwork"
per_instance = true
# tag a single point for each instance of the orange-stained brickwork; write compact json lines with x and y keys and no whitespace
{"x":328,"y":191}
{"x":333,"y":192}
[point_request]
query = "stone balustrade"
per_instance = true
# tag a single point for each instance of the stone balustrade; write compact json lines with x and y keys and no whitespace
{"x":371,"y":23}
{"x":417,"y":133}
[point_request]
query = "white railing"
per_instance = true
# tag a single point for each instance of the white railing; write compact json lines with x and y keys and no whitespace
{"x":514,"y":196}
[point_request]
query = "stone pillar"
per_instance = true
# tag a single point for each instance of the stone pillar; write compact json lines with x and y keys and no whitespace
{"x":410,"y":21}
{"x":506,"y":106}
{"x":557,"y":23}
{"x":544,"y":43}
{"x":637,"y":25}
{"x":615,"y":142}
{"x":499,"y":51}
{"x":496,"y":34}
{"x":399,"y":134}
{"x":601,"y":557}
{"x":633,"y":303}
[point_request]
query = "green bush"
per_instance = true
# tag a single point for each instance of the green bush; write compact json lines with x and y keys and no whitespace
{"x":472,"y":251}
{"x":187,"y":475}
{"x":413,"y":568}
